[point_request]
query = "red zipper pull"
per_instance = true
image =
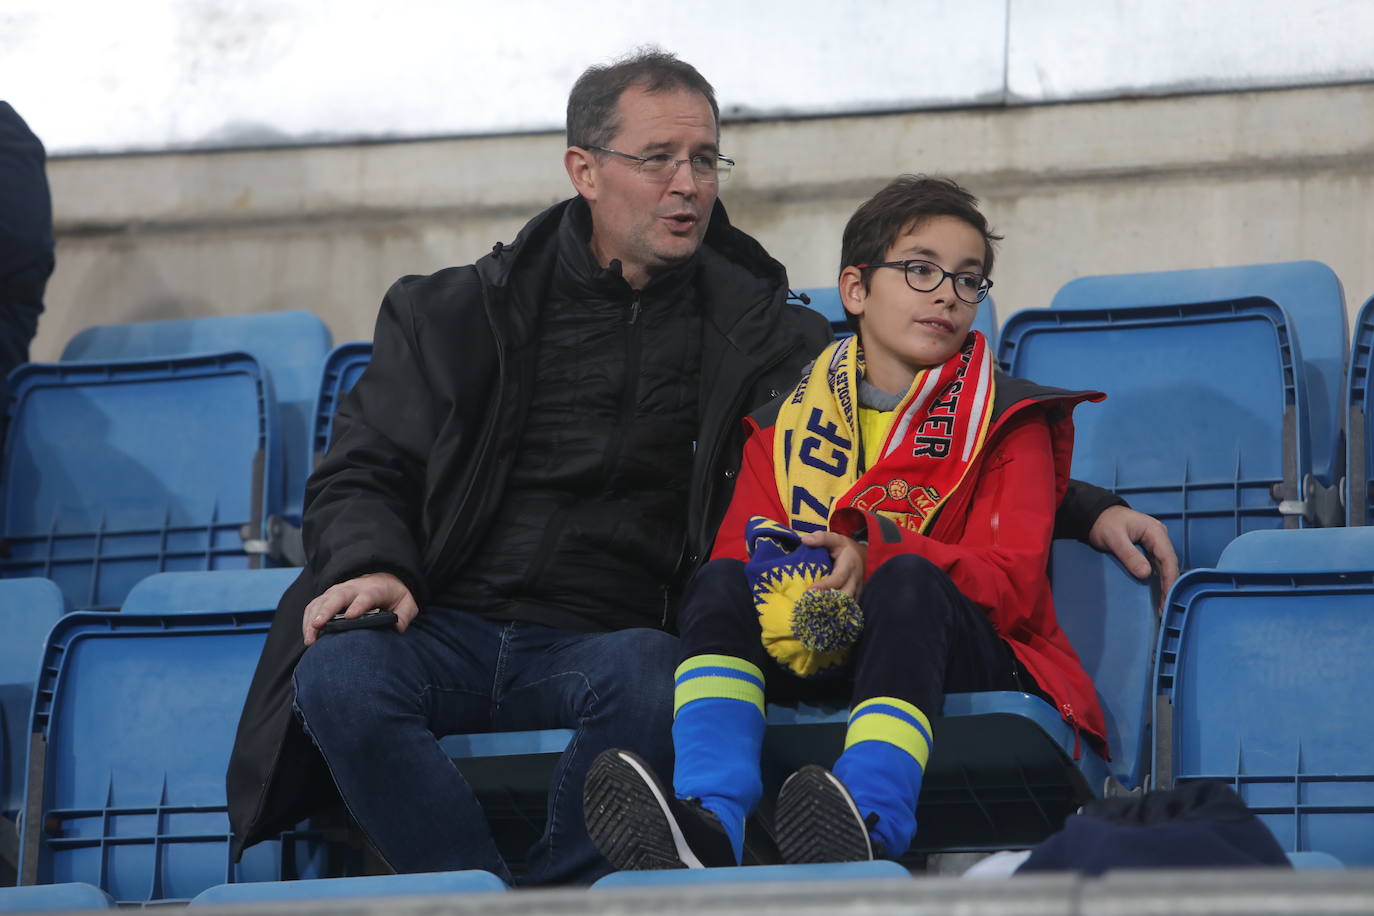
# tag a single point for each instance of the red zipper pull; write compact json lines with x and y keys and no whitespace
{"x":1067,"y":711}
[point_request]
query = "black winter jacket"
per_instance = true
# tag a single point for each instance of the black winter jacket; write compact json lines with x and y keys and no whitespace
{"x":421,"y":450}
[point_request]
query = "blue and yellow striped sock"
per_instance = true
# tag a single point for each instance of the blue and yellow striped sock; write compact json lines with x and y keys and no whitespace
{"x":718,"y":722}
{"x":886,"y":748}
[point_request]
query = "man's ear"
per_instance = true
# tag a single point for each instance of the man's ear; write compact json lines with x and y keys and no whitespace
{"x":852,"y":292}
{"x":582,"y":169}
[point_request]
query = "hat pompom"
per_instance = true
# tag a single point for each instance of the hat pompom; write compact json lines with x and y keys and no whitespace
{"x":827,"y":620}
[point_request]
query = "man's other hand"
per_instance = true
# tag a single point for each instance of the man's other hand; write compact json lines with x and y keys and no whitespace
{"x":1119,"y":528}
{"x":355,"y":598}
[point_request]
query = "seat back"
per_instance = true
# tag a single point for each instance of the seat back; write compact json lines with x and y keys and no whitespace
{"x":289,"y":345}
{"x":1263,"y":671}
{"x":826,"y":300}
{"x":1359,"y":432}
{"x":432,"y":884}
{"x":216,"y":590}
{"x":1205,"y":422}
{"x":341,"y":371}
{"x":1308,"y":291}
{"x":1110,"y":618}
{"x":114,"y":471}
{"x":134,"y":722}
{"x":28,"y":610}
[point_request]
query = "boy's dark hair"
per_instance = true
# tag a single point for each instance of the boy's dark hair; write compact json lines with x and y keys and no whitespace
{"x":906,"y":202}
{"x":592,"y":119}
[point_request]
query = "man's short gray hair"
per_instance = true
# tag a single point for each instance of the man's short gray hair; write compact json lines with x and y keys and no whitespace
{"x":592,"y":115}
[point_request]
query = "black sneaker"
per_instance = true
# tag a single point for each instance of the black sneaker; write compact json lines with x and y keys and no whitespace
{"x":638,"y":824}
{"x":817,"y":820}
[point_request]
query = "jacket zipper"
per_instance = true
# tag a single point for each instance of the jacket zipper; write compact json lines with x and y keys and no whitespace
{"x":1067,"y":711}
{"x":629,"y":389}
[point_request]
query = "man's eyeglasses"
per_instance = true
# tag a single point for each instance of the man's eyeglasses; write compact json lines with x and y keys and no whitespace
{"x":926,"y":276}
{"x":662,"y":167}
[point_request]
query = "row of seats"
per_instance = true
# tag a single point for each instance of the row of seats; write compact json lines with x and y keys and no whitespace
{"x":181,"y":445}
{"x":1253,"y":667}
{"x":132,"y":717}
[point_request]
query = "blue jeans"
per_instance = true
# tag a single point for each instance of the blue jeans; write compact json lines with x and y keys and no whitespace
{"x":375,"y":701}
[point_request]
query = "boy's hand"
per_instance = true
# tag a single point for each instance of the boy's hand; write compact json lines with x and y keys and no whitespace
{"x":848,"y":557}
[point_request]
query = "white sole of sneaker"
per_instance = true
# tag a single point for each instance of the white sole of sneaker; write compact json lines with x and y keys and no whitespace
{"x":684,"y":852}
{"x":815,"y":804}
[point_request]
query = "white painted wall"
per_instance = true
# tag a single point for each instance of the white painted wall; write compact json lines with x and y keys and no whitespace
{"x":1089,"y":188}
{"x":97,"y":76}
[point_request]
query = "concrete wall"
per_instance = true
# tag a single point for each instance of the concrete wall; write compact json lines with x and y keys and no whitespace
{"x":1088,"y":188}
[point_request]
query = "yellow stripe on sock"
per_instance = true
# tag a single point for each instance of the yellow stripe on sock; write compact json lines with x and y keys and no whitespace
{"x":720,"y":661}
{"x":903,"y":705}
{"x":882,"y":726}
{"x":717,"y":686}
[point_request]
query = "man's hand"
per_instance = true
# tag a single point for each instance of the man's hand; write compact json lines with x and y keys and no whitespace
{"x":356,"y":597}
{"x":847,"y":558}
{"x":1118,"y":529}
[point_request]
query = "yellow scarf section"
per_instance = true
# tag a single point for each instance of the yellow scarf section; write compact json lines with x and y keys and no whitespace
{"x":936,"y":433}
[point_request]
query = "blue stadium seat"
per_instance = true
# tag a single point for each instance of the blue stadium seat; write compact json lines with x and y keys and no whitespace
{"x":1307,"y":861}
{"x":54,"y":897}
{"x":755,"y":874}
{"x":1264,"y":672}
{"x":1308,"y":550}
{"x":135,"y":717}
{"x":215,"y":590}
{"x":28,"y":610}
{"x":451,"y":882}
{"x":289,"y":345}
{"x":1205,"y":422}
{"x":342,"y":368}
{"x":1359,"y":432}
{"x":113,"y":471}
{"x":826,"y":300}
{"x":1308,"y":291}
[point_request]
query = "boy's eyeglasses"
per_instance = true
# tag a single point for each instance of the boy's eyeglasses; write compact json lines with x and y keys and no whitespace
{"x":662,"y":167}
{"x":926,"y":276}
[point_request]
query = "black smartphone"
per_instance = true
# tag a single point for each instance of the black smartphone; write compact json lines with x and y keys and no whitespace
{"x":373,"y":618}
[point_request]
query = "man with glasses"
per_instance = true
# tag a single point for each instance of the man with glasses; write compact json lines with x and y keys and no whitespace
{"x":526,"y":475}
{"x":531,"y":466}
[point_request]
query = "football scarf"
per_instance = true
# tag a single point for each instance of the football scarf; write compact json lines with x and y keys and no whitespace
{"x":937,"y":431}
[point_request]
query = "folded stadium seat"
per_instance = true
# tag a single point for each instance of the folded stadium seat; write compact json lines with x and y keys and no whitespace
{"x":1309,"y":293}
{"x":433,"y":884}
{"x":342,"y":368}
{"x":1205,"y":423}
{"x":114,"y":471}
{"x":28,"y":610}
{"x":289,"y":345}
{"x":1260,"y":669}
{"x":826,"y":300}
{"x":1359,"y":433}
{"x":750,"y":874}
{"x":54,"y":897}
{"x":131,"y":735}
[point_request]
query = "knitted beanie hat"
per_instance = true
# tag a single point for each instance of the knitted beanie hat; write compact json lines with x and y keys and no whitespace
{"x":809,"y":631}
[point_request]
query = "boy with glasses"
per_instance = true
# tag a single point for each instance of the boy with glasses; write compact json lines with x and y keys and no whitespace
{"x":887,"y":542}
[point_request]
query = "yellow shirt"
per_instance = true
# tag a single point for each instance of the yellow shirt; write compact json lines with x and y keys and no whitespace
{"x":873,"y":427}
